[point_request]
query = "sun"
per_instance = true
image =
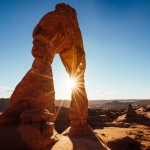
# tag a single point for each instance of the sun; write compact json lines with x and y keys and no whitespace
{"x":71,"y":83}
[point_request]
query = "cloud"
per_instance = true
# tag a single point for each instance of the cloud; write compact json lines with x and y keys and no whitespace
{"x":5,"y":89}
{"x":105,"y":92}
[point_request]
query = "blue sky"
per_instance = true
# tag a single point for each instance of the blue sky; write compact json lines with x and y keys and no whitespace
{"x":116,"y":35}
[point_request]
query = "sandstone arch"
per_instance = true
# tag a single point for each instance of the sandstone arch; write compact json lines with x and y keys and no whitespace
{"x":31,"y":113}
{"x":57,"y":32}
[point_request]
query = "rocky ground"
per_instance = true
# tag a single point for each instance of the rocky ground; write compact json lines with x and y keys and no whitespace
{"x":111,"y":126}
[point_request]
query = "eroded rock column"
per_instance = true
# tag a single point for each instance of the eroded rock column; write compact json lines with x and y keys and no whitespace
{"x":131,"y":113}
{"x":75,"y":64}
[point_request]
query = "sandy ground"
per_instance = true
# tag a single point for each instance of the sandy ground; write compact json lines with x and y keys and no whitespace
{"x":135,"y":137}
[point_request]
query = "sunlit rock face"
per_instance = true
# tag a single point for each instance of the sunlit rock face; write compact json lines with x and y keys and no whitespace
{"x":32,"y":103}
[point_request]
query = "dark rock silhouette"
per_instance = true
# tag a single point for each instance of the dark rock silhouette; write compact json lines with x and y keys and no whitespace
{"x":131,"y":113}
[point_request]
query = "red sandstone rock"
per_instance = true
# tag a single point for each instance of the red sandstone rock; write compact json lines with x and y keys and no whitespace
{"x":57,"y":32}
{"x":36,"y":115}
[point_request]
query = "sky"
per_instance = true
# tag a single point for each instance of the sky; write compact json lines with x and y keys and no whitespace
{"x":116,"y":36}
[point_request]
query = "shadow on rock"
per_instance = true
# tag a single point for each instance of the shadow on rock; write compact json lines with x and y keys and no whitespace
{"x":10,"y":139}
{"x":125,"y":143}
{"x":139,"y":119}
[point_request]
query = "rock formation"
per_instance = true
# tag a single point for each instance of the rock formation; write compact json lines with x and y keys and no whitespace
{"x":31,"y":107}
{"x":30,"y":116}
{"x":130,"y":112}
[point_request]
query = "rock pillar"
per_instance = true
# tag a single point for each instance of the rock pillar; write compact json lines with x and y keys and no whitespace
{"x":131,"y":113}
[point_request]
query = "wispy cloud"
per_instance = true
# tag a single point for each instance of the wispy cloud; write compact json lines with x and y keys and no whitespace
{"x":105,"y":92}
{"x":5,"y":89}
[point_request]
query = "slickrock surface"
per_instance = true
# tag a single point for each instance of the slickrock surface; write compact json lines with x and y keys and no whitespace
{"x":82,"y":141}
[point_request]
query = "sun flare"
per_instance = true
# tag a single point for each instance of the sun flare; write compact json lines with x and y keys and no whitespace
{"x":71,"y":83}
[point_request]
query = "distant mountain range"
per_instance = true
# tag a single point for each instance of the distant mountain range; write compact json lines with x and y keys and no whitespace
{"x":120,"y":104}
{"x":108,"y":104}
{"x":93,"y":104}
